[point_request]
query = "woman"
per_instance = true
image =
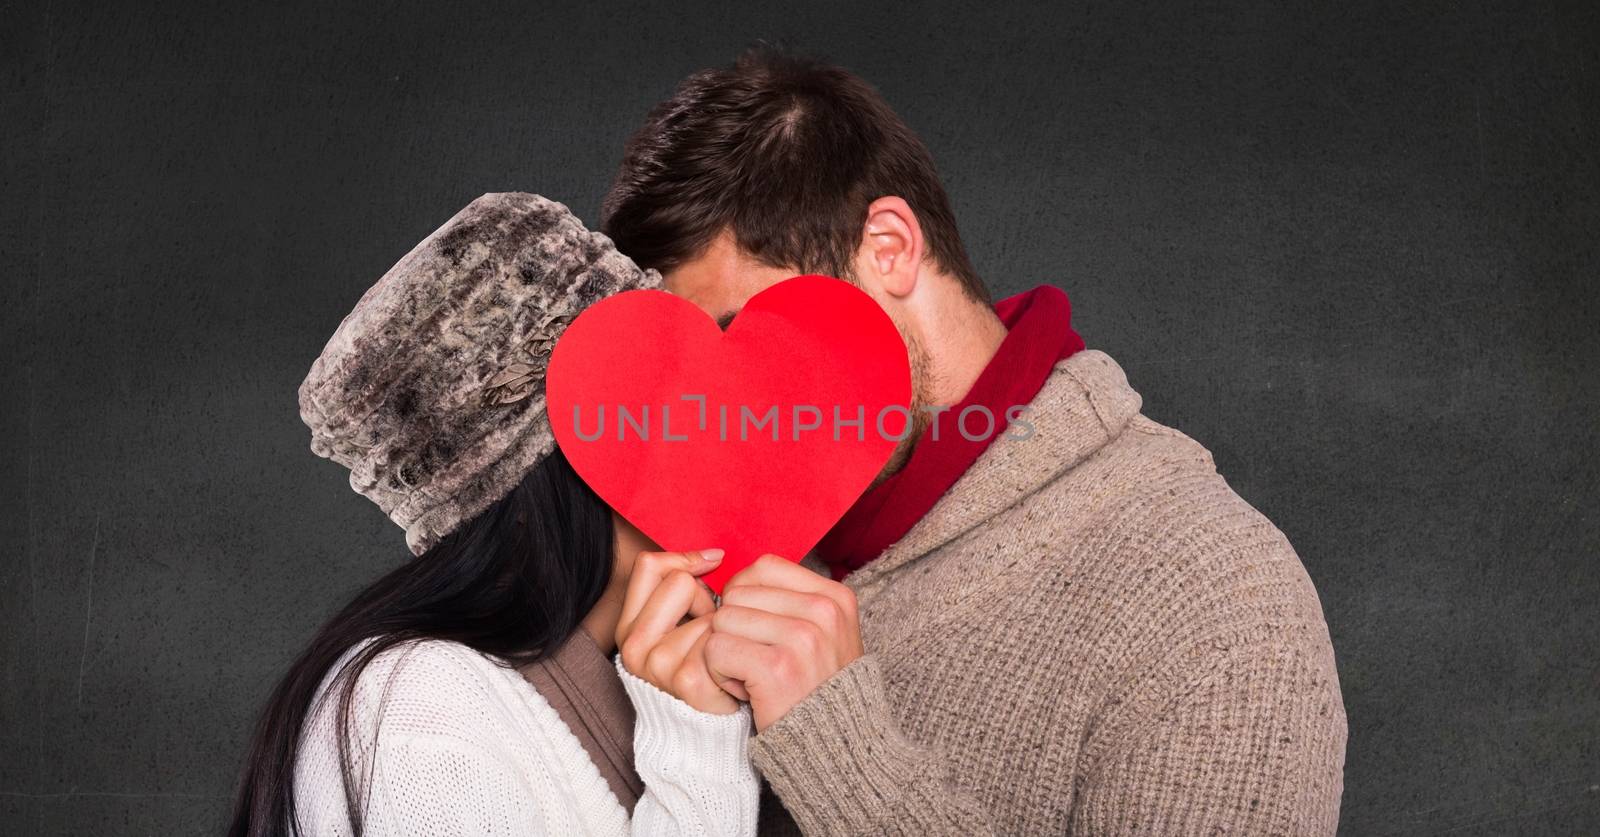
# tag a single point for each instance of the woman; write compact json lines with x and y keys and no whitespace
{"x":468,"y":691}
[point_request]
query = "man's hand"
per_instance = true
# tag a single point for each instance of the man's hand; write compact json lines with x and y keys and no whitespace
{"x":781,"y":632}
{"x":662,"y":591}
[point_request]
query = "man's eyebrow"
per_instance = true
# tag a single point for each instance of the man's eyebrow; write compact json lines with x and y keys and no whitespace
{"x":726,"y":319}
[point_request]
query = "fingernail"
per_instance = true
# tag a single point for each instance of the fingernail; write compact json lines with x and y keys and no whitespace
{"x":711,"y":556}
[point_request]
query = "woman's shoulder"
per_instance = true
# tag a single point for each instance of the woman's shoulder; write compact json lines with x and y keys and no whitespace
{"x":426,"y":661}
{"x":431,"y":688}
{"x":442,"y":730}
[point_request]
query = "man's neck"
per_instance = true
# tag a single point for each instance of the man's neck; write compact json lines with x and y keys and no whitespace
{"x":961,"y":354}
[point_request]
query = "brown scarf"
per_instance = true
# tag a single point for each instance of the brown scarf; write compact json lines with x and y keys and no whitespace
{"x":582,"y":684}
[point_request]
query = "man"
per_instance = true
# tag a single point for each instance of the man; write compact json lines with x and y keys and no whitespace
{"x":1071,"y":626}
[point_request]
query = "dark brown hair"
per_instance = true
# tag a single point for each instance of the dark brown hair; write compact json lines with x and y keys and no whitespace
{"x":786,"y":152}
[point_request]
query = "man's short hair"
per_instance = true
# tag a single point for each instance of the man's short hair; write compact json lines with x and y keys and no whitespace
{"x":784,"y":151}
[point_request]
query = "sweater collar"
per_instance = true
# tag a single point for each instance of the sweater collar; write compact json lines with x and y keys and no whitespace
{"x":1039,"y":335}
{"x":1084,"y":404}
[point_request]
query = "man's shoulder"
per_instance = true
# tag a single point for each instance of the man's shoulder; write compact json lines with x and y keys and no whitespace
{"x":1150,"y":520}
{"x":1160,"y":481}
{"x":1147,"y":470}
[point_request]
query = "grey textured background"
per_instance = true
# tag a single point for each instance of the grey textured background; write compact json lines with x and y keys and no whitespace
{"x":1351,"y":247}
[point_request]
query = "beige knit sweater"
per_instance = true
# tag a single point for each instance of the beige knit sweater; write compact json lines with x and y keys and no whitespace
{"x":1091,"y":633}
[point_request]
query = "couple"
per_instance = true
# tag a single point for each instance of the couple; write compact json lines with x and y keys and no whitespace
{"x":1081,"y":631}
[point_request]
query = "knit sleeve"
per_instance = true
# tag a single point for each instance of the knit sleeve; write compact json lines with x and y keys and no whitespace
{"x":841,"y":765}
{"x":1255,"y":746}
{"x":696,"y":767}
{"x":443,"y":786}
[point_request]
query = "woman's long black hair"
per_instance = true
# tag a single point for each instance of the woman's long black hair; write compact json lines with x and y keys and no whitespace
{"x":515,"y":582}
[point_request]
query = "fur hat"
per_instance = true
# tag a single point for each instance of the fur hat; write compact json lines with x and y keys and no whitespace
{"x":432,"y":390}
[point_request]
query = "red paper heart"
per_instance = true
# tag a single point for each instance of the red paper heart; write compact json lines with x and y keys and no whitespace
{"x":721,"y":480}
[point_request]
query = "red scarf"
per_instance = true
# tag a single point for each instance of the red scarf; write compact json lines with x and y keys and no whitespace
{"x":1039,"y":324}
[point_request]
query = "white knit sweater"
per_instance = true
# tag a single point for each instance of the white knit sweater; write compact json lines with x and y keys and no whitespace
{"x":446,"y":741}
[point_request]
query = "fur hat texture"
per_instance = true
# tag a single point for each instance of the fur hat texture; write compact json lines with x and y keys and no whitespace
{"x":431,"y":391}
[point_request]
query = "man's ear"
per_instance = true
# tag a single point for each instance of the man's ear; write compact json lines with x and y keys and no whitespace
{"x":891,"y":246}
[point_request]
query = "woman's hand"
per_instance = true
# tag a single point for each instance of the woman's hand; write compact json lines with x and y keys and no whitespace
{"x":666,"y":619}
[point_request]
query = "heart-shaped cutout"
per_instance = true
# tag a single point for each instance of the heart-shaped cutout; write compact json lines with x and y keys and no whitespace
{"x":756,"y":439}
